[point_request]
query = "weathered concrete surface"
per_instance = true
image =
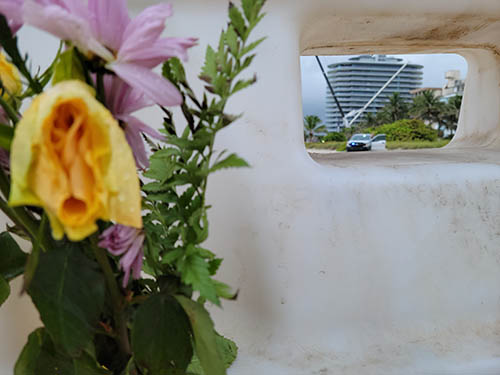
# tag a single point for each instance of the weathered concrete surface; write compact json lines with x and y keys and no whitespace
{"x":351,"y":268}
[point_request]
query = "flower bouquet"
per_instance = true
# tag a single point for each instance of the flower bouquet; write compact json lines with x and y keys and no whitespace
{"x":115,"y":210}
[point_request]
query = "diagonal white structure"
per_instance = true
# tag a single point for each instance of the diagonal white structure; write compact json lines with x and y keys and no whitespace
{"x":383,"y":266}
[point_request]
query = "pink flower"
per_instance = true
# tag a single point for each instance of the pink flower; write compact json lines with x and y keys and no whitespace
{"x":127,"y":242}
{"x":12,"y":10}
{"x":130,"y":48}
{"x":122,"y":100}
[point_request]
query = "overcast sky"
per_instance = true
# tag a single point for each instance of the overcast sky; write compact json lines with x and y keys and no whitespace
{"x":314,"y":85}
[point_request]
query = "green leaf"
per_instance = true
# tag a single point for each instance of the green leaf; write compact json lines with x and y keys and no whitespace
{"x":209,"y":70}
{"x":232,"y":40}
{"x":6,"y":135}
{"x":4,"y":290}
{"x":26,"y":363}
{"x":252,"y":46}
{"x":13,"y":259}
{"x":205,"y":337}
{"x":227,"y":349}
{"x":224,"y":290}
{"x":161,"y":339}
{"x":242,"y":84}
{"x":40,"y":357}
{"x":232,"y":161}
{"x":237,"y":20}
{"x":68,"y":67}
{"x":174,"y":71}
{"x":195,"y":272}
{"x":70,"y":299}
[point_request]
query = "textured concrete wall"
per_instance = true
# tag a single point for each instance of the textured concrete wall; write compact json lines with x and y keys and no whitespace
{"x":383,"y":267}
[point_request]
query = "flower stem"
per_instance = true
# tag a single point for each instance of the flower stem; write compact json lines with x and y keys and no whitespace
{"x":117,"y":299}
{"x":9,"y":110}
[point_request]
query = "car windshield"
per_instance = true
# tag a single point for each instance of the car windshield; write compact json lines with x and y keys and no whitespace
{"x":360,"y":137}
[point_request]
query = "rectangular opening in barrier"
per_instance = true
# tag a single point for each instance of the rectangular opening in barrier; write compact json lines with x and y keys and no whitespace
{"x":381,"y":102}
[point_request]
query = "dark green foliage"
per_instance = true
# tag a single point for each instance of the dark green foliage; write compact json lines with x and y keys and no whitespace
{"x":13,"y":258}
{"x":6,"y":135}
{"x":161,"y":336}
{"x":69,"y":291}
{"x":226,"y":348}
{"x":205,"y":337}
{"x":334,"y":137}
{"x":41,"y":357}
{"x":4,"y":290}
{"x":407,"y":130}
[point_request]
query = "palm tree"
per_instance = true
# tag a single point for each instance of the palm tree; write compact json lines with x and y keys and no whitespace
{"x":312,"y":127}
{"x":396,"y":109}
{"x":428,"y":108}
{"x":451,"y":113}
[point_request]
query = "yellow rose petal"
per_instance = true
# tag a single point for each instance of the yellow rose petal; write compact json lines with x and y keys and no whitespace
{"x":70,"y":157}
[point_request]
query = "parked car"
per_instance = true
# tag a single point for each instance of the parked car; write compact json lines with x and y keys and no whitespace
{"x":359,"y":142}
{"x":379,"y":142}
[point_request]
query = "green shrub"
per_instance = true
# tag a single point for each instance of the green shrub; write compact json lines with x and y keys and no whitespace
{"x":334,"y":137}
{"x":407,"y":130}
{"x":342,"y":147}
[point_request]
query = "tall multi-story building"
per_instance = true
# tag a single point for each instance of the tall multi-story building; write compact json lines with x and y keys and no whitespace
{"x":358,"y":79}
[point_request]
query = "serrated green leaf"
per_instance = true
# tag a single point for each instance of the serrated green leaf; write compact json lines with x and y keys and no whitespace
{"x":205,"y":337}
{"x":240,"y":85}
{"x":161,"y":339}
{"x":209,"y":69}
{"x":173,"y":70}
{"x":232,"y":40}
{"x":248,"y":8}
{"x":70,"y":300}
{"x":154,"y":187}
{"x":4,"y":290}
{"x":237,"y":20}
{"x":232,"y":161}
{"x":195,"y":272}
{"x":12,"y":258}
{"x":252,"y":46}
{"x":68,"y":67}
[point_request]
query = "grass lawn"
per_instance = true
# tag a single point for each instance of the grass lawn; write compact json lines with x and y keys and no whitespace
{"x":391,"y":145}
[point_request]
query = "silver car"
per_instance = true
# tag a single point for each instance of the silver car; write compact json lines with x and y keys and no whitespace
{"x":359,"y":142}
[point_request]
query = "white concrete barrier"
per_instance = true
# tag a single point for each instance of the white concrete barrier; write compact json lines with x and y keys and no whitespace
{"x":390,"y":266}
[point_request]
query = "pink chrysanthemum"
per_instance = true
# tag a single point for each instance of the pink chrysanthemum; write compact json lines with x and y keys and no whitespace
{"x":127,"y":242}
{"x":123,"y":100}
{"x":13,"y":12}
{"x":131,"y":48}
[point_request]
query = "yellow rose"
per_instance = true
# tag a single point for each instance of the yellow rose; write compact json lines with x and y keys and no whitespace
{"x":70,"y":157}
{"x":9,"y":76}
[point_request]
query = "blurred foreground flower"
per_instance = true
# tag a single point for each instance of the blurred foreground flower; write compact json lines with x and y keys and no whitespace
{"x":127,"y":242}
{"x":123,"y":100}
{"x":13,"y":12}
{"x":130,"y":48}
{"x":10,"y":79}
{"x":70,"y":157}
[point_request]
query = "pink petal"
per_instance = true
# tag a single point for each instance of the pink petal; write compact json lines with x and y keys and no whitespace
{"x":12,"y":10}
{"x":154,"y":87}
{"x":59,"y":21}
{"x":129,"y":261}
{"x":136,"y":143}
{"x":109,"y":19}
{"x":160,"y":51}
{"x":144,"y":30}
{"x":122,"y":99}
{"x":139,"y":126}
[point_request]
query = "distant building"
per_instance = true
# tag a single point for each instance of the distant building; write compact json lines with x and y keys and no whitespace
{"x":454,"y":86}
{"x":357,"y":80}
{"x":438,"y":92}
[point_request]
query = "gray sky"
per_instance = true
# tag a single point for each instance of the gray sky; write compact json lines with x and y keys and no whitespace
{"x":314,"y":85}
